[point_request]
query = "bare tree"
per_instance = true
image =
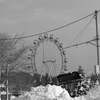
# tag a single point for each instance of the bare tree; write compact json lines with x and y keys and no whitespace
{"x":9,"y":53}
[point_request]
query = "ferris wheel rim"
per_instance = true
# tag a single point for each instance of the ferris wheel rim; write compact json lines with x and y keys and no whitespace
{"x":45,"y":37}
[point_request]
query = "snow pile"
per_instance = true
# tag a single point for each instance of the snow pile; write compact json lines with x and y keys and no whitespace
{"x":50,"y":92}
{"x":93,"y":94}
{"x":53,"y":92}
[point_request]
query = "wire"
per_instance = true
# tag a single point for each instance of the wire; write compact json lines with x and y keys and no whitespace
{"x":83,"y":30}
{"x":78,"y":44}
{"x":82,"y":43}
{"x":55,"y":29}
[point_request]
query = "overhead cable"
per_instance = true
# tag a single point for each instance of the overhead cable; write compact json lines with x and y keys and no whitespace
{"x":83,"y":30}
{"x":78,"y":44}
{"x":54,"y":29}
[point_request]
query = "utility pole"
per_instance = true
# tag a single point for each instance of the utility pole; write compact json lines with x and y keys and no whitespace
{"x":97,"y":36}
{"x":7,"y":82}
{"x":97,"y":44}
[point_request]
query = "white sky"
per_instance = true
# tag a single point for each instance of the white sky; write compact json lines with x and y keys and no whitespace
{"x":33,"y":16}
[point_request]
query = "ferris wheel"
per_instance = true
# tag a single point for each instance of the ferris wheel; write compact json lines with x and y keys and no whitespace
{"x":48,"y":55}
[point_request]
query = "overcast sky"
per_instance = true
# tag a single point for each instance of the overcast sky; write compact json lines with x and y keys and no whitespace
{"x":33,"y":16}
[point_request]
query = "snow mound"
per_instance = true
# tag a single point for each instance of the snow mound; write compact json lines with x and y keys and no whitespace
{"x":53,"y":92}
{"x":49,"y":92}
{"x":93,"y":94}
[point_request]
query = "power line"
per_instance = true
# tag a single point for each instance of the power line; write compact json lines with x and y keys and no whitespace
{"x":86,"y":42}
{"x":83,"y":30}
{"x":54,"y":29}
{"x":78,"y":44}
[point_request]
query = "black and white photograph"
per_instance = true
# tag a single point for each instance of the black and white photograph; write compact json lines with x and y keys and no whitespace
{"x":49,"y":50}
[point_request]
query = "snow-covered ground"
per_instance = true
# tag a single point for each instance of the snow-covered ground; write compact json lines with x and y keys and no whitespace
{"x":53,"y":92}
{"x":93,"y":94}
